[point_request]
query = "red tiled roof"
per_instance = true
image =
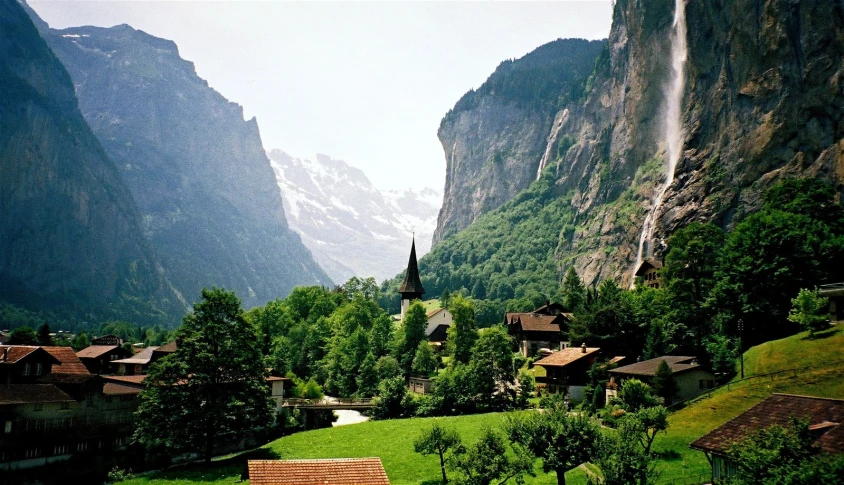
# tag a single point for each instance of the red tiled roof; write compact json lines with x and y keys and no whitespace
{"x":115,"y":389}
{"x":677,"y":364}
{"x":32,"y":393}
{"x":128,"y":379}
{"x":13,"y":353}
{"x":535,"y":322}
{"x":339,"y":471}
{"x":70,"y":363}
{"x":94,"y":351}
{"x":826,"y":420}
{"x":565,"y":357}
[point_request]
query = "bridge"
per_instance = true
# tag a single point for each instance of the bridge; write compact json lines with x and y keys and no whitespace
{"x":333,"y":404}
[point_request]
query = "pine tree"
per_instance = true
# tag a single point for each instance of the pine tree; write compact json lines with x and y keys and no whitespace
{"x":664,"y":384}
{"x":574,"y":291}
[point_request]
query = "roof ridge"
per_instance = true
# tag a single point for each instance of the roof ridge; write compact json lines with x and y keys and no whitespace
{"x":808,"y":397}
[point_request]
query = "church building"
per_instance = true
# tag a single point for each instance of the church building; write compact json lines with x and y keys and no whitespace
{"x":439,"y":319}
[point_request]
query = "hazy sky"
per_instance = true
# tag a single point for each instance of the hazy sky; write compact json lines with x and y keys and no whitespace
{"x":364,"y":82}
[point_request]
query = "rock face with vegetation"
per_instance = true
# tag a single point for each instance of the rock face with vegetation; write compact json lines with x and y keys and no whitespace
{"x":197,"y":169}
{"x":496,"y":136}
{"x":70,"y":233}
{"x":762,"y":102}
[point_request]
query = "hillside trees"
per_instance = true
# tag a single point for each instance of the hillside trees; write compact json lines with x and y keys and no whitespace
{"x":213,"y":385}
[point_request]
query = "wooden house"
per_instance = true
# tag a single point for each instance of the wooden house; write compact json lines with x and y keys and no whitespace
{"x":565,"y":371}
{"x":544,"y":327}
{"x":835,"y":294}
{"x":99,"y":359}
{"x":691,"y":378}
{"x":649,"y":272}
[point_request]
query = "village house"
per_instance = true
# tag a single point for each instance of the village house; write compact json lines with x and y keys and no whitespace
{"x":52,"y":407}
{"x":137,"y":364}
{"x":691,"y":378}
{"x":649,"y":272}
{"x":835,"y":294}
{"x":824,"y":415}
{"x":439,"y":320}
{"x":99,"y":359}
{"x":544,"y":327}
{"x":332,"y":471}
{"x":565,"y":371}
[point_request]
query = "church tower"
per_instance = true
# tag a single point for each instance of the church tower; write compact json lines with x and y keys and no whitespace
{"x":411,"y":288}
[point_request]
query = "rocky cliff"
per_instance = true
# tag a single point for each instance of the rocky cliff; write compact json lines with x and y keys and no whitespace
{"x":496,"y":137}
{"x":70,"y":235}
{"x":762,"y":100}
{"x":352,"y":227}
{"x":196,"y":168}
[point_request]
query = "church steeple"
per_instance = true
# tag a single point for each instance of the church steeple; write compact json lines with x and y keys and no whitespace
{"x":411,"y":288}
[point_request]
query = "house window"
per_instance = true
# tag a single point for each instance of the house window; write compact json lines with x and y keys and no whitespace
{"x":32,"y":453}
{"x":138,"y":369}
{"x":8,"y":427}
{"x":89,"y":399}
{"x":710,"y":384}
{"x":120,"y":441}
{"x":61,"y":449}
{"x":107,"y":398}
{"x":39,"y":406}
{"x":82,"y":446}
{"x":700,"y":384}
{"x":127,"y":398}
{"x":65,"y":405}
{"x":26,"y":369}
{"x":39,"y":368}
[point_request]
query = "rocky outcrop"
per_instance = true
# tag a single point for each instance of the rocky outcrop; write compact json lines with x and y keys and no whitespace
{"x":763,"y":100}
{"x":352,"y":227}
{"x":70,"y":235}
{"x":197,"y":169}
{"x":496,"y":136}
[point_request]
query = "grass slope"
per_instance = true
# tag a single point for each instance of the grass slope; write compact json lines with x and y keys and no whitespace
{"x":392,"y":441}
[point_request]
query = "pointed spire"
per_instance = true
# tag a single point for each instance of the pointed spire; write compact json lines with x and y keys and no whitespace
{"x":411,"y":287}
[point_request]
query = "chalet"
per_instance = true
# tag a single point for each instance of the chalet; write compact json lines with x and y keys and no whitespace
{"x":164,"y":350}
{"x":137,"y":364}
{"x":541,"y":328}
{"x":49,"y":416}
{"x":99,"y":359}
{"x":565,"y":371}
{"x":335,"y":471}
{"x":649,"y":272}
{"x":691,"y":378}
{"x":826,"y":426}
{"x":107,"y":340}
{"x":835,"y":294}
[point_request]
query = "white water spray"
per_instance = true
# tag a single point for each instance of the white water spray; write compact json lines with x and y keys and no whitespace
{"x":559,"y":121}
{"x":673,"y":129}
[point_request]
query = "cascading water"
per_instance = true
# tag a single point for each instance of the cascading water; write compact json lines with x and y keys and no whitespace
{"x":673,"y":129}
{"x":559,"y":121}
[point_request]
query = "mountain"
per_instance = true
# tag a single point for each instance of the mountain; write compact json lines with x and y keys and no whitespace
{"x":70,"y":231}
{"x":736,"y":96}
{"x":352,"y":228}
{"x":197,"y":170}
{"x":496,"y":136}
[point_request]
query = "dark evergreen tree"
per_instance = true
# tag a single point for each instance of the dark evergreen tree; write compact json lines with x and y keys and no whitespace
{"x":462,"y":334}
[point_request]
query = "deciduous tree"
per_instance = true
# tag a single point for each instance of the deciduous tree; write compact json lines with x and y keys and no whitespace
{"x":437,"y":440}
{"x":810,"y":311}
{"x":213,"y":385}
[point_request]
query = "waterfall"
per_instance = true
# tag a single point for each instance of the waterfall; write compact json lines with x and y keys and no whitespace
{"x":673,"y":129}
{"x":559,"y":121}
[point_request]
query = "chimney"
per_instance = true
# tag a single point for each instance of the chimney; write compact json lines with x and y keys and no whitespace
{"x":583,"y":348}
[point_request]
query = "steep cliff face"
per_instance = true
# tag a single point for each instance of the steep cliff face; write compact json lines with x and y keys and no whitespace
{"x":197,"y":170}
{"x":763,"y":100}
{"x":496,"y":137}
{"x":70,"y":236}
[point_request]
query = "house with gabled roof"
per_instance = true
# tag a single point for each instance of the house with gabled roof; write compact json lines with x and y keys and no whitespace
{"x":834,"y":293}
{"x":565,"y":371}
{"x":691,"y":378}
{"x":332,"y":471}
{"x":137,"y":364}
{"x":824,"y":415}
{"x":99,"y":359}
{"x":649,"y":272}
{"x":543,"y":328}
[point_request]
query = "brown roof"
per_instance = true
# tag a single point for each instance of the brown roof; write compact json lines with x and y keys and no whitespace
{"x":115,"y":389}
{"x":32,"y":393}
{"x":535,"y":322}
{"x":433,"y":312}
{"x":66,"y":378}
{"x":834,"y":289}
{"x":141,"y":358}
{"x":338,"y":471}
{"x":826,"y":420}
{"x":70,"y":363}
{"x":169,"y":347}
{"x":647,"y":264}
{"x":676,"y":363}
{"x":13,"y":353}
{"x":93,"y":351}
{"x":127,"y":379}
{"x":565,"y":357}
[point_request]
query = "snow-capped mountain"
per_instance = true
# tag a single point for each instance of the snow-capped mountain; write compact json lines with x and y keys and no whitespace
{"x":351,"y":227}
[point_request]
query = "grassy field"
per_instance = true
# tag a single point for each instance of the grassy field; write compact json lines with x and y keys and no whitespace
{"x":392,"y":441}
